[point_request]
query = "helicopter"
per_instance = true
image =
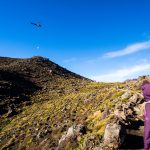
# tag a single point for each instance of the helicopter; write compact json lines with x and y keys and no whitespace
{"x":38,"y":24}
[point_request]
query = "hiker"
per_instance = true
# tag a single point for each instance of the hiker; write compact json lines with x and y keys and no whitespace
{"x":146,"y":93}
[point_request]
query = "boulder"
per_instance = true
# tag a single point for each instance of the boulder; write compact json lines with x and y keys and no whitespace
{"x":139,"y":111}
{"x":72,"y":134}
{"x":128,"y":109}
{"x":120,"y":114}
{"x":137,"y":98}
{"x":114,"y":135}
{"x":126,"y":95}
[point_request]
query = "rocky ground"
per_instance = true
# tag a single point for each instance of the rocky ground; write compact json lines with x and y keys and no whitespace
{"x":44,"y":106}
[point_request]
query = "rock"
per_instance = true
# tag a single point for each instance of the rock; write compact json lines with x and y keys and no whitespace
{"x":125,"y":113}
{"x":128,"y":109}
{"x":137,"y":98}
{"x":72,"y":134}
{"x":97,"y":148}
{"x":11,"y":112}
{"x":105,"y":113}
{"x":70,"y":131}
{"x":139,"y":111}
{"x":120,"y":114}
{"x":87,"y":100}
{"x":116,"y":100}
{"x":114,"y":135}
{"x":126,"y":95}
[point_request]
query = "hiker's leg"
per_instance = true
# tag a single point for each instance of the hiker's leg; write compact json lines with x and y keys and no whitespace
{"x":147,"y":127}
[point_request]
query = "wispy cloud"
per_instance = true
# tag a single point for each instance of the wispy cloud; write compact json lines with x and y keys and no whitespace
{"x":121,"y":74}
{"x":69,"y":60}
{"x":129,"y":49}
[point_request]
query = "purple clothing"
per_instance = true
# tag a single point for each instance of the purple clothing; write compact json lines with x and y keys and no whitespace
{"x":147,"y":126}
{"x":146,"y":91}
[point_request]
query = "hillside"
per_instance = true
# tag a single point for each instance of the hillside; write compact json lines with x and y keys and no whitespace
{"x":44,"y":106}
{"x":20,"y":78}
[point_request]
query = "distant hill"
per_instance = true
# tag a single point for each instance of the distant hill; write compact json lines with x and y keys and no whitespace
{"x":46,"y":107}
{"x":20,"y":78}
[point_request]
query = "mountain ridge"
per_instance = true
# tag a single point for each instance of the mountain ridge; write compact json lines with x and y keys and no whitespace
{"x":37,"y":70}
{"x":45,"y":106}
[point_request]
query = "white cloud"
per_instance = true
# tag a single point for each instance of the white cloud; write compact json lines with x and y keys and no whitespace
{"x":129,"y":49}
{"x":122,"y":74}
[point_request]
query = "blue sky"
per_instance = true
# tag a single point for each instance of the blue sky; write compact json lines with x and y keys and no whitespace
{"x":106,"y":40}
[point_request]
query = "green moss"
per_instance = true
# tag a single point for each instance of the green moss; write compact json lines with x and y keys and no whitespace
{"x":116,"y":95}
{"x":125,"y":100}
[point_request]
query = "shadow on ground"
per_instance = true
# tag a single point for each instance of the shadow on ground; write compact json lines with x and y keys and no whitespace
{"x":134,"y":138}
{"x":14,"y":90}
{"x":133,"y":142}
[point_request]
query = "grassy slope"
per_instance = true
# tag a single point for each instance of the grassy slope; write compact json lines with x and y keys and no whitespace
{"x":65,"y":102}
{"x":57,"y":114}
